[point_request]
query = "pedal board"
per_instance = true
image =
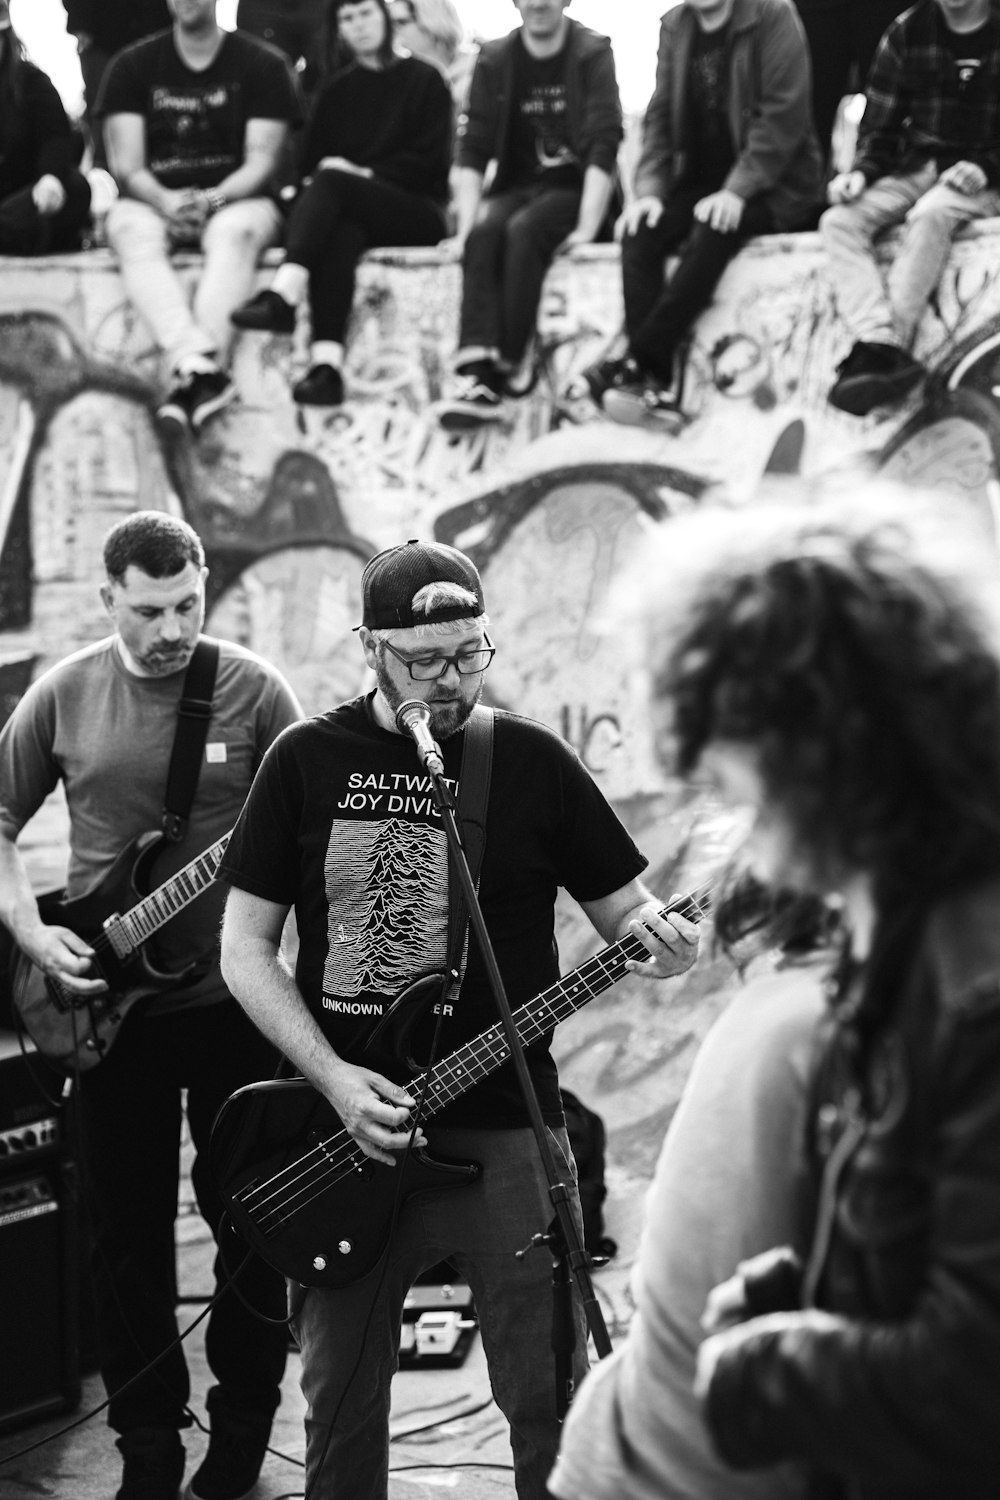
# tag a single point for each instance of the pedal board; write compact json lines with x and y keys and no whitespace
{"x":439,"y":1320}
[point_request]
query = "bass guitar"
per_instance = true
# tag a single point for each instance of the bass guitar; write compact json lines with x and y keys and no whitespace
{"x":303,"y":1194}
{"x":74,"y":1031}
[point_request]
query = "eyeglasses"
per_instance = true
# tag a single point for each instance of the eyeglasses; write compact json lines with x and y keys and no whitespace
{"x":430,"y":668}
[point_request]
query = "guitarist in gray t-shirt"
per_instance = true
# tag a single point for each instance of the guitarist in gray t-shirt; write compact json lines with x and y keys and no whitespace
{"x":102,"y":722}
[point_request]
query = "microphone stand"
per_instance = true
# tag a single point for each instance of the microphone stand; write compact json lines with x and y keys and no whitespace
{"x":570,"y":1259}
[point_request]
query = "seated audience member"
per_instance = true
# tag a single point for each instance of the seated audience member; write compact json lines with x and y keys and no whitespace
{"x":102,"y":28}
{"x":44,"y":200}
{"x":842,"y":37}
{"x":296,"y":27}
{"x":433,"y":30}
{"x":833,"y":669}
{"x":377,"y":150}
{"x":544,"y":112}
{"x":728,"y":151}
{"x":196,"y":119}
{"x":727,"y":1186}
{"x":928,"y":156}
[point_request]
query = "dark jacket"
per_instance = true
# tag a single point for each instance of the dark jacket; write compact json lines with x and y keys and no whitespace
{"x":892,"y":1392}
{"x":593,"y":108}
{"x":38,"y":140}
{"x":917,"y":108}
{"x":114,"y":24}
{"x":770,"y":111}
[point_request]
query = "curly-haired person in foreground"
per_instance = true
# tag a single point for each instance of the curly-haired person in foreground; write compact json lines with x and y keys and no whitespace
{"x":840,"y":677}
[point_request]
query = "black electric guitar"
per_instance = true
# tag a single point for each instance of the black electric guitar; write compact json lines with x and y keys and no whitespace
{"x":304,"y":1195}
{"x":73,"y":1030}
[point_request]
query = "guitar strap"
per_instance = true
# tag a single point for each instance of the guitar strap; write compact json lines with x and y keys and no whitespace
{"x":473,"y":795}
{"x":193,"y":714}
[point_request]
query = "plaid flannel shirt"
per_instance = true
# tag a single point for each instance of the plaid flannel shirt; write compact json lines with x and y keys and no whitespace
{"x":917,"y":108}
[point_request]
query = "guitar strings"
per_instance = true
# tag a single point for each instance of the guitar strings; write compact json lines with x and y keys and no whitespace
{"x":329,"y":1161}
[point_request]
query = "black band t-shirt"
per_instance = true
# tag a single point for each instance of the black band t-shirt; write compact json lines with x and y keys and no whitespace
{"x":711,"y":154}
{"x":196,"y":120}
{"x":539,"y":129}
{"x":341,"y":824}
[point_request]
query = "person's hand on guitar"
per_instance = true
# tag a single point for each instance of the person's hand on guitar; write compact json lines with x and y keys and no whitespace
{"x":372,"y":1110}
{"x":63,"y":957}
{"x":671,"y":941}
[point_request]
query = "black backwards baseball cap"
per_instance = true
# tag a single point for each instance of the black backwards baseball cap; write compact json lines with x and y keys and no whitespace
{"x":391,"y":579}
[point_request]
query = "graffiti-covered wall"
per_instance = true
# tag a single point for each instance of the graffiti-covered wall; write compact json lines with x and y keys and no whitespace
{"x":554,"y":503}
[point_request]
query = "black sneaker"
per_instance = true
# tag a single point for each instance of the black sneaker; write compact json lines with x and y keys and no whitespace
{"x":322,"y":385}
{"x":874,"y":375}
{"x":644,"y":403}
{"x":153,"y":1464}
{"x":267,"y":312}
{"x":611,"y":374}
{"x":235,"y":1457}
{"x":475,"y":398}
{"x":195,"y":398}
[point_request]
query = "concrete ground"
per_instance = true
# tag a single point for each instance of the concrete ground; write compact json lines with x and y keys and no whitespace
{"x":448,"y":1436}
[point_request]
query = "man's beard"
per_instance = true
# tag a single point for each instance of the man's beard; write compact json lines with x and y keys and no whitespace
{"x":446,"y":718}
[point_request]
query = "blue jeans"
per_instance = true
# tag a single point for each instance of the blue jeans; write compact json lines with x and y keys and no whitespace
{"x":478,"y":1228}
{"x":932,"y":214}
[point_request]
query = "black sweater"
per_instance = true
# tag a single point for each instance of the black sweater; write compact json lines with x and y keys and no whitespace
{"x":398,"y":122}
{"x":37,"y":140}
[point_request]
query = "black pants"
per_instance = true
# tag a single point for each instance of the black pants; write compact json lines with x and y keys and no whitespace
{"x":842,"y":37}
{"x":506,"y":258}
{"x":130,"y":1116}
{"x":337,"y":218}
{"x":24,"y":231}
{"x":659,"y":313}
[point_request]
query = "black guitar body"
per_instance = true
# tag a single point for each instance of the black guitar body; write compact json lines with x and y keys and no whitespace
{"x":75,"y":1031}
{"x":126,"y":883}
{"x":299,"y":1190}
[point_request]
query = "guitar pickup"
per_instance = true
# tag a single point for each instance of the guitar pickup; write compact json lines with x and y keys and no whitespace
{"x":112,"y":928}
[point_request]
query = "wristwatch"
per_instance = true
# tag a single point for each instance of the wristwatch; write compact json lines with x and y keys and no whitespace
{"x":215,"y":200}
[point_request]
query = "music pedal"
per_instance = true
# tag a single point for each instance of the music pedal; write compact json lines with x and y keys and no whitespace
{"x":439,"y":1320}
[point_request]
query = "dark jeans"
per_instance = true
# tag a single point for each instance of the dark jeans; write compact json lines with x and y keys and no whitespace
{"x":658,"y":314}
{"x":842,"y":37}
{"x":340,"y":216}
{"x":130,"y":1114}
{"x":503,"y":269}
{"x":24,"y":231}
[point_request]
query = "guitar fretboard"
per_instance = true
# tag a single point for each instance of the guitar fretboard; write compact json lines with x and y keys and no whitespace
{"x":127,"y":932}
{"x":472,"y":1062}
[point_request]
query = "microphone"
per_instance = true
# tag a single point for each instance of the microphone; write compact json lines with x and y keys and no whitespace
{"x":414,"y":718}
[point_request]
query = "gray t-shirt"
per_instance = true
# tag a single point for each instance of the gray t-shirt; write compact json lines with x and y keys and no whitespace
{"x":107,"y":735}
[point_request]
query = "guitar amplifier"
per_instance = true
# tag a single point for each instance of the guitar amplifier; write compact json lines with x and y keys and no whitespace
{"x":40,"y":1255}
{"x":39,"y":1302}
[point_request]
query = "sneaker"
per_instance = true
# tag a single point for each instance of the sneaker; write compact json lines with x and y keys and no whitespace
{"x":153,"y":1464}
{"x":611,"y":374}
{"x":322,"y":385}
{"x":475,"y":400}
{"x":267,"y":311}
{"x":874,"y":375}
{"x":235,"y":1457}
{"x":643,"y":403}
{"x":195,"y":398}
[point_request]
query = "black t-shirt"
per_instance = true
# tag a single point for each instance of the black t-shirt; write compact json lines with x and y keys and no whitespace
{"x":711,"y":153}
{"x":341,"y":824}
{"x":539,"y":131}
{"x":196,"y":120}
